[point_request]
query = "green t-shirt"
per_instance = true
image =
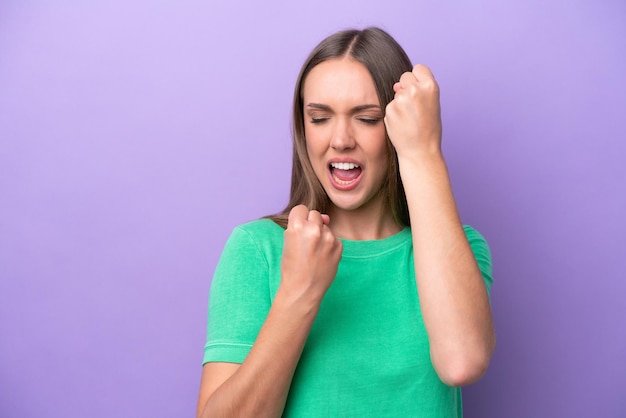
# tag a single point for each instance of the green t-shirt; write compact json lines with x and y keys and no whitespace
{"x":367,"y":354}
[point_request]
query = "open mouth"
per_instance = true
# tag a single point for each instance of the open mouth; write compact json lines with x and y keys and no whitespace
{"x":344,"y":174}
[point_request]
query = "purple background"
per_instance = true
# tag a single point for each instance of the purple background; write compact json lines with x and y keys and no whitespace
{"x":135,"y":135}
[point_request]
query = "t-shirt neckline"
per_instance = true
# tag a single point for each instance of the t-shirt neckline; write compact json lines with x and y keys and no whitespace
{"x":368,"y":248}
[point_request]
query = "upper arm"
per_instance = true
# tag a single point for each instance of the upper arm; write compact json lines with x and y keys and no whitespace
{"x":239,"y":300}
{"x":238,"y":305}
{"x":213,"y":375}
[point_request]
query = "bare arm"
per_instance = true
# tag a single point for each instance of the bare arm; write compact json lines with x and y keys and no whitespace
{"x":453,"y":296}
{"x":259,"y":386}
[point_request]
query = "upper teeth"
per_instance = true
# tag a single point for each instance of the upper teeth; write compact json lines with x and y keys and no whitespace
{"x":344,"y":166}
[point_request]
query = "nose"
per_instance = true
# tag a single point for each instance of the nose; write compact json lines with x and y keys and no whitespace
{"x":342,"y":136}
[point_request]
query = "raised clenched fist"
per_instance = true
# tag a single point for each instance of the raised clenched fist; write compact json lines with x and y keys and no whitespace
{"x":311,"y":254}
{"x":413,"y":117}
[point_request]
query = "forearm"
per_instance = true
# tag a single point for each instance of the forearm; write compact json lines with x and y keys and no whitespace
{"x":453,"y":296}
{"x":260,"y":385}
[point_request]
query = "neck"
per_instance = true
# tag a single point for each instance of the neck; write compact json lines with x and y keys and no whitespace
{"x":365,"y":223}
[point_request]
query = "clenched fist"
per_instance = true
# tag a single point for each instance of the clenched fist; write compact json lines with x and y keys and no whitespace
{"x":413,"y":117}
{"x":311,"y":254}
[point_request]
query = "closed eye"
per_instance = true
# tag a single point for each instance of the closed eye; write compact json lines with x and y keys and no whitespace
{"x":370,"y":121}
{"x":318,"y":120}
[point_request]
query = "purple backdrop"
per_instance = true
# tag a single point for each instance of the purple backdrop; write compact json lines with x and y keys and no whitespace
{"x":135,"y":135}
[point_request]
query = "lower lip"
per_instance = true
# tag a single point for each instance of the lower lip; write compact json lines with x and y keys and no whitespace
{"x":344,"y":186}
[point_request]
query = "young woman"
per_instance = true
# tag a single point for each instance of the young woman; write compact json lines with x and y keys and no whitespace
{"x":366,"y":296}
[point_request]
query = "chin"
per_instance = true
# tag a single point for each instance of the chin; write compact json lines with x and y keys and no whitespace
{"x":353,"y":199}
{"x":347,"y":204}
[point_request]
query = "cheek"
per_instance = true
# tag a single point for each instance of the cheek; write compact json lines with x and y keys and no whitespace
{"x":314,"y":145}
{"x":314,"y":152}
{"x":379,"y":146}
{"x":383,"y":158}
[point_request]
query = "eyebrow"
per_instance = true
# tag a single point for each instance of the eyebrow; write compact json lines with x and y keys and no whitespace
{"x":354,"y":109}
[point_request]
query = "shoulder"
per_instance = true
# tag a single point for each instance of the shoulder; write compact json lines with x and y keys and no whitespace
{"x":481,"y":251}
{"x":262,"y":236}
{"x":259,"y":229}
{"x":473,"y":236}
{"x":251,"y":246}
{"x":477,"y":242}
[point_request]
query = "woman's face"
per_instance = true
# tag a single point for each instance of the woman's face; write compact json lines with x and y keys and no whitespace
{"x":345,"y":132}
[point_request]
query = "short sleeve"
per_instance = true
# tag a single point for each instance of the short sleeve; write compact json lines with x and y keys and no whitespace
{"x":481,"y":251}
{"x":239,"y":300}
